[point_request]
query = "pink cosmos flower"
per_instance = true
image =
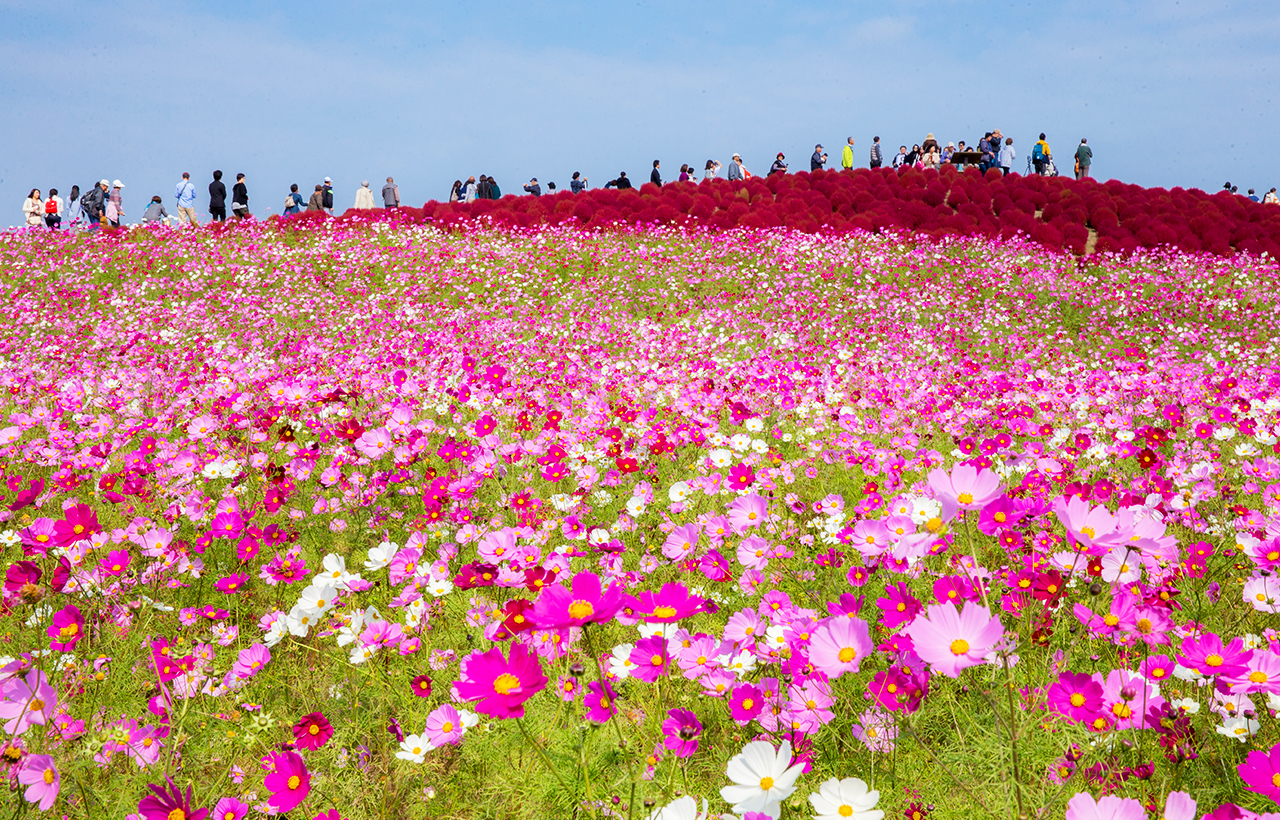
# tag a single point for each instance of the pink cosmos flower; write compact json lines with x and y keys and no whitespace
{"x":965,"y":487}
{"x":650,"y":658}
{"x":499,"y":685}
{"x":1084,"y":807}
{"x":40,"y":776}
{"x":1260,"y":674}
{"x":229,"y":808}
{"x":1207,"y":655}
{"x":1092,"y":528}
{"x":28,"y":701}
{"x":81,"y":522}
{"x":600,"y":702}
{"x":1261,"y":773}
{"x":116,"y":562}
{"x":838,"y":645}
{"x":250,"y":661}
{"x":950,"y":641}
{"x":312,"y":731}
{"x":67,"y":629}
{"x":668,"y":605}
{"x":1077,"y":696}
{"x":289,"y":781}
{"x":169,"y":802}
{"x":745,"y":702}
{"x":584,"y":603}
{"x":231,"y":584}
{"x":747,"y":511}
{"x":681,"y":729}
{"x":374,"y":443}
{"x":753,"y":552}
{"x":444,"y":726}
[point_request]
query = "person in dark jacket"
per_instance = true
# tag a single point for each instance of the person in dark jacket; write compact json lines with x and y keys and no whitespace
{"x":240,"y":197}
{"x":328,"y":196}
{"x":218,"y":198}
{"x":495,"y":192}
{"x":95,"y":204}
{"x":532,"y":187}
{"x":621,"y":183}
{"x":578,"y":185}
{"x":779,"y":166}
{"x":655,"y":177}
{"x":818,"y":160}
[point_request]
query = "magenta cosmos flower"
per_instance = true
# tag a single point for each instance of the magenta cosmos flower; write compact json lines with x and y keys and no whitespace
{"x":585,"y":602}
{"x":1076,"y":695}
{"x":681,"y":729}
{"x":67,"y":629}
{"x":950,"y":641}
{"x":289,"y":781}
{"x":312,"y":732}
{"x":838,"y":645}
{"x":41,"y":778}
{"x":499,"y":685}
{"x":1261,"y":773}
{"x":28,"y":701}
{"x":169,"y":803}
{"x":668,"y":605}
{"x":116,"y":562}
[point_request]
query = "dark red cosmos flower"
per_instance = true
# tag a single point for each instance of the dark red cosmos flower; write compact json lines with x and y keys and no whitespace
{"x":312,"y":731}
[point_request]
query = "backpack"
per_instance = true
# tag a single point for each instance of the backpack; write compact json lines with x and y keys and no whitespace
{"x":86,"y":201}
{"x":288,"y":202}
{"x":51,"y":206}
{"x":1037,"y":153}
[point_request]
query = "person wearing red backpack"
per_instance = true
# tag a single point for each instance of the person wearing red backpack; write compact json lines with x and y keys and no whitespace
{"x":53,"y":210}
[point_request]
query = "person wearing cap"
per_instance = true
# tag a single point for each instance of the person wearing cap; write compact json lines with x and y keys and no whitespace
{"x":818,"y":160}
{"x":532,"y":187}
{"x":240,"y":198}
{"x":115,"y":204}
{"x":948,"y":151}
{"x":736,"y":171}
{"x":846,"y":155}
{"x":94,"y":204}
{"x":779,"y":166}
{"x":391,"y":193}
{"x":185,"y":193}
{"x":218,"y":198}
{"x":328,"y":196}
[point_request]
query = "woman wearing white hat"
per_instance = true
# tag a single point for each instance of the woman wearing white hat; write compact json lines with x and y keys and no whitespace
{"x":115,"y":210}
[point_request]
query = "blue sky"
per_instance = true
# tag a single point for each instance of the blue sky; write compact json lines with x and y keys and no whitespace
{"x":1168,"y":93}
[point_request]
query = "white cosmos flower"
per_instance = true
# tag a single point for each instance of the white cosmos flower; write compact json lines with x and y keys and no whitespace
{"x":335,"y":570}
{"x":685,"y":808}
{"x":754,"y":424}
{"x":381,"y":555}
{"x":846,"y":799}
{"x":635,"y":506}
{"x":317,"y":599}
{"x":414,"y":748}
{"x":678,"y":492}
{"x":762,"y":778}
{"x":620,"y":662}
{"x":721,"y":457}
{"x":440,"y":588}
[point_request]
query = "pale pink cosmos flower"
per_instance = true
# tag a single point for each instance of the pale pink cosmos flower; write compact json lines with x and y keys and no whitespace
{"x":1093,"y":528}
{"x":965,"y":487}
{"x":747,"y":511}
{"x":838,"y":645}
{"x":952,"y":641}
{"x":1084,"y":807}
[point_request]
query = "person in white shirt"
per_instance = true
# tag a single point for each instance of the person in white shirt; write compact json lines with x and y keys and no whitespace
{"x":1007,"y":155}
{"x":53,"y":210}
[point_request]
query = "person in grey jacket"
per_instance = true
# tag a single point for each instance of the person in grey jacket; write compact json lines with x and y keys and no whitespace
{"x":736,"y":171}
{"x":391,"y":194}
{"x":155,"y":212}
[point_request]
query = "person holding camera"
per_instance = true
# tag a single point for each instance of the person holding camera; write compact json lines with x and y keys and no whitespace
{"x":819,"y":158}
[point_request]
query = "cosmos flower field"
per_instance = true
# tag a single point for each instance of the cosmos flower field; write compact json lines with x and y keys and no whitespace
{"x":365,"y":519}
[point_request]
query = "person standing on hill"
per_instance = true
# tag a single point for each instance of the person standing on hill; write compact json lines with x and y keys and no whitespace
{"x":328,"y":196}
{"x":577,"y":183}
{"x":655,"y":176}
{"x":316,"y":203}
{"x":33,"y":208}
{"x":1007,"y":155}
{"x":846,"y":155}
{"x":1084,"y":158}
{"x":364,"y":197}
{"x":218,"y":198}
{"x":818,"y":160}
{"x":53,"y":210}
{"x":532,"y":187}
{"x":391,"y":194}
{"x":293,"y":203}
{"x":1269,"y":198}
{"x":779,"y":165}
{"x":736,"y":169}
{"x":115,"y":204}
{"x":877,"y":156}
{"x":240,"y":198}
{"x":1040,"y":154}
{"x":94,"y":204}
{"x":185,"y":193}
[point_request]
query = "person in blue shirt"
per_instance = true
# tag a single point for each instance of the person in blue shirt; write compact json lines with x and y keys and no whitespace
{"x":578,"y":185}
{"x":294,"y":203}
{"x":185,"y":193}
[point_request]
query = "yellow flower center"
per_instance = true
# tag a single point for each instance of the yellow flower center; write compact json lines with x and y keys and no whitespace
{"x":664,"y":612}
{"x":1110,"y":619}
{"x":1000,"y":517}
{"x":48,"y":776}
{"x":1089,"y":531}
{"x":965,"y":498}
{"x":1213,"y":660}
{"x":847,"y":654}
{"x":766,"y":783}
{"x":69,"y":631}
{"x":656,"y":660}
{"x":294,"y":782}
{"x":959,"y":646}
{"x":846,"y":811}
{"x":447,"y":727}
{"x":1258,"y":677}
{"x":581,"y":609}
{"x":505,"y":682}
{"x":1077,"y":699}
{"x":315,"y":729}
{"x":1121,"y":710}
{"x":747,"y":703}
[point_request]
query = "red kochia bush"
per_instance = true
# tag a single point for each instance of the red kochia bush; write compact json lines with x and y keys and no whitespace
{"x":1059,"y":212}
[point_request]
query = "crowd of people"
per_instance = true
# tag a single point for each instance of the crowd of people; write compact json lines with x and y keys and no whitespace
{"x":103,"y":206}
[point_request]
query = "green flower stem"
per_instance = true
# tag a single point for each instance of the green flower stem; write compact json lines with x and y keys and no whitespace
{"x":546,"y":761}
